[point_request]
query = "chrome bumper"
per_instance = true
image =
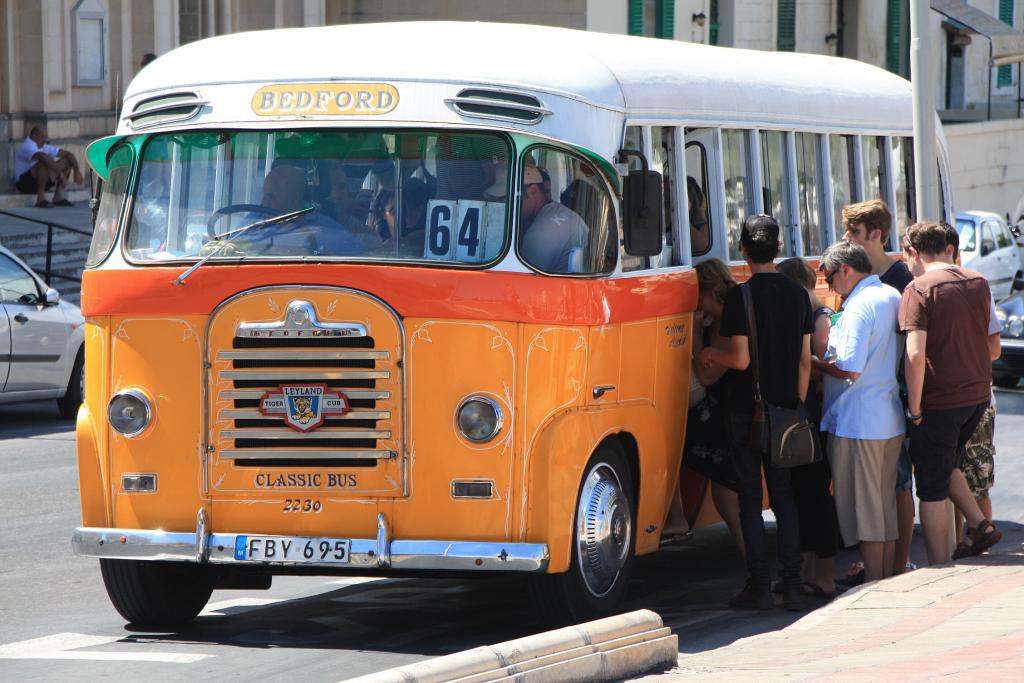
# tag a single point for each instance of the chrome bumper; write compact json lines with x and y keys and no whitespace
{"x":382,"y":552}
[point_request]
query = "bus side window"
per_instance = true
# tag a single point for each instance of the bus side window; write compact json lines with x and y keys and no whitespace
{"x":809,"y":192}
{"x":701,"y":234}
{"x":775,"y":176}
{"x":872,"y":160}
{"x":736,"y":171}
{"x":841,"y":154}
{"x":567,"y":218}
{"x":903,"y":171}
{"x":634,"y":140}
{"x":663,"y":161}
{"x":944,"y":203}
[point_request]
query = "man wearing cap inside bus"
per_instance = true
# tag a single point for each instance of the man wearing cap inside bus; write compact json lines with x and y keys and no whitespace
{"x":552,"y":237}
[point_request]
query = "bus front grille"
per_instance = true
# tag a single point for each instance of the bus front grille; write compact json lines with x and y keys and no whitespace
{"x":266,"y":440}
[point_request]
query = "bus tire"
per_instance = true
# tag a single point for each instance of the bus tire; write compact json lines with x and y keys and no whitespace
{"x":602,"y":548}
{"x":157,"y":593}
{"x":68,"y":404}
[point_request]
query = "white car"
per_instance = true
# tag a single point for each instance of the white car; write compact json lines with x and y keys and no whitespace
{"x":42,"y":338}
{"x":987,"y":246}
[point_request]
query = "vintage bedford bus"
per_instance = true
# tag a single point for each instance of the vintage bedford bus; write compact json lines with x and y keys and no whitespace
{"x":383,"y":298}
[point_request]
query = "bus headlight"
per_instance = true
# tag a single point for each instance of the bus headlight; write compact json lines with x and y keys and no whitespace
{"x":129,"y":412}
{"x":479,"y":418}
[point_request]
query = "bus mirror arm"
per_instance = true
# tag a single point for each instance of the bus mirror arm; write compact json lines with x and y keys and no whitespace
{"x":641,"y":210}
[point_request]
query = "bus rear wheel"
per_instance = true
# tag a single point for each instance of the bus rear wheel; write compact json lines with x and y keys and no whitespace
{"x":157,"y":593}
{"x":604,"y":534}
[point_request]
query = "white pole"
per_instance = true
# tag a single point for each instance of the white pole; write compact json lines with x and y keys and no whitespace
{"x":925,"y":156}
{"x":922,"y":57}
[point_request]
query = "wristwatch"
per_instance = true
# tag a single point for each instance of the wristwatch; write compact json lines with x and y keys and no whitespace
{"x":911,"y":416}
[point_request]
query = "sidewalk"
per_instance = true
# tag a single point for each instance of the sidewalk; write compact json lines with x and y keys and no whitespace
{"x":963,"y":621}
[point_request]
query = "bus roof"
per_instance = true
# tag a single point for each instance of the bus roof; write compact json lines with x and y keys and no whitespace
{"x":643,"y":78}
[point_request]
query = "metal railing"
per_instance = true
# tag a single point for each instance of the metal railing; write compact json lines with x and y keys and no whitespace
{"x":49,"y":274}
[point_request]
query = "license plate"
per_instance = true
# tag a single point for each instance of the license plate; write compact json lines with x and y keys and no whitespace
{"x":292,"y":549}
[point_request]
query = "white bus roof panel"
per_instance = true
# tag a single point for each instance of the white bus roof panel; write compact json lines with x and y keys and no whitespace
{"x":643,"y":78}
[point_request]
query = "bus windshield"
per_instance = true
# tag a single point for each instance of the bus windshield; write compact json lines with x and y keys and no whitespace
{"x":379,"y":195}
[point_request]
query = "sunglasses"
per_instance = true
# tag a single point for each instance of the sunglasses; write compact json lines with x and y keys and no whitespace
{"x":831,"y":276}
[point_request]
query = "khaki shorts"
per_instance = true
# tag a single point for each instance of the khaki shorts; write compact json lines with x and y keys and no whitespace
{"x":977,"y":461}
{"x":864,"y":479}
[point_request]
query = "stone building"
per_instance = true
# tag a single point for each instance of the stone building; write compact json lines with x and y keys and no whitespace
{"x":66,"y":62}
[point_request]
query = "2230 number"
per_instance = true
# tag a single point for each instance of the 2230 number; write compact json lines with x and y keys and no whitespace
{"x":302,"y":505}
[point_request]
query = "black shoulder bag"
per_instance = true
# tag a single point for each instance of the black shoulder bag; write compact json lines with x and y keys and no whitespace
{"x":787,"y":434}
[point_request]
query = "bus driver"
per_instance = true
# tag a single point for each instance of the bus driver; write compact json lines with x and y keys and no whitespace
{"x":553,"y":236}
{"x":284,"y":191}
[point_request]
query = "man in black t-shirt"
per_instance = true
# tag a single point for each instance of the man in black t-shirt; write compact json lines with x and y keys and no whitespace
{"x":782,"y":311}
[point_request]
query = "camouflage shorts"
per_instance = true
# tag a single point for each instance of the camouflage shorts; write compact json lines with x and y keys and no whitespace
{"x":978,"y":459}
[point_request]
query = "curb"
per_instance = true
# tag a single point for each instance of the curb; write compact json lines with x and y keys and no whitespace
{"x":603,"y":650}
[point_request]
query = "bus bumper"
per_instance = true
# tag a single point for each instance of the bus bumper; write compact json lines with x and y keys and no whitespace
{"x":382,"y":552}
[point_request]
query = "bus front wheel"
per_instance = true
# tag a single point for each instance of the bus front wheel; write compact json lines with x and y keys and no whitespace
{"x":604,"y":535}
{"x":157,"y":593}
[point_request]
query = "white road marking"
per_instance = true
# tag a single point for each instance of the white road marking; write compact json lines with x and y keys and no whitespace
{"x":217,"y":607}
{"x":355,"y":580}
{"x":67,"y":646}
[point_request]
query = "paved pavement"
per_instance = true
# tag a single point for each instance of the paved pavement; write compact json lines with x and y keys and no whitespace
{"x":963,"y":621}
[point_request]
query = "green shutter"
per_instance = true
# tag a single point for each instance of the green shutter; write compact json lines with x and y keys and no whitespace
{"x":636,"y":17}
{"x":666,"y":18}
{"x":1004,"y":77}
{"x":892,"y":35}
{"x":713,"y":23}
{"x":786,"y":38}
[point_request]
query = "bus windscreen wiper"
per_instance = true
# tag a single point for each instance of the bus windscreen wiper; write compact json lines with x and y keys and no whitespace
{"x":273,"y":220}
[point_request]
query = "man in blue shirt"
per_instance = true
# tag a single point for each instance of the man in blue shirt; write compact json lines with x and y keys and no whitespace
{"x":863,"y":413}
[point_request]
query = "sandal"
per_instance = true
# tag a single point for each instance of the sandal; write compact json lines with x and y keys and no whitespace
{"x":978,"y":540}
{"x":854,"y":576}
{"x":63,"y":202}
{"x":43,"y":204}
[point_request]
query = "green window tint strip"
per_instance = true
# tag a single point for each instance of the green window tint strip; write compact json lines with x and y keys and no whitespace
{"x":666,"y":18}
{"x":786,"y":39}
{"x":1004,"y":76}
{"x":713,"y":23}
{"x":892,"y":35}
{"x":636,"y":17}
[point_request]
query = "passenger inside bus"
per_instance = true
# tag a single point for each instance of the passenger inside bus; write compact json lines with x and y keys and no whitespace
{"x":553,"y":236}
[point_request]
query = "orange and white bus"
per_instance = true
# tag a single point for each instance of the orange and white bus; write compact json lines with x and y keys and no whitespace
{"x":368,"y":298}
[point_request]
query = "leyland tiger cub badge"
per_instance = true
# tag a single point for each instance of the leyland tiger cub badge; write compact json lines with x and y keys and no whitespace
{"x":304,"y":406}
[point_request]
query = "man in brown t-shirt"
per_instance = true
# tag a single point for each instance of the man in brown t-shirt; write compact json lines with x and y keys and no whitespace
{"x":946,"y":314}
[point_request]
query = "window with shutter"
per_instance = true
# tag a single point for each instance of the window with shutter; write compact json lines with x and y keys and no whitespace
{"x":713,"y":23}
{"x":786,"y":36}
{"x":666,"y":18}
{"x":894,"y":13}
{"x":636,"y":17}
{"x":655,"y":18}
{"x":1004,"y":76}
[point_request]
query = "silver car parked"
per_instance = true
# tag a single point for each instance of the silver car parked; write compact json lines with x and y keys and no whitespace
{"x":987,"y":246}
{"x":41,"y":340}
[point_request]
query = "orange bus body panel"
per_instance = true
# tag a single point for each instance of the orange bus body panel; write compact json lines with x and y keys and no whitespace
{"x":536,"y":345}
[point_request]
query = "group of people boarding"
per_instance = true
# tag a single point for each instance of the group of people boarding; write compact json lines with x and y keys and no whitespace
{"x":899,"y":377}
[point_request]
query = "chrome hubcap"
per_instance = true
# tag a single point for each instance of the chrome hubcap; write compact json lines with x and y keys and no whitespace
{"x":603,"y":529}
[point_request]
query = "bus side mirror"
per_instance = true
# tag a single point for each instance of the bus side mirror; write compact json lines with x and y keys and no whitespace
{"x":641,"y":210}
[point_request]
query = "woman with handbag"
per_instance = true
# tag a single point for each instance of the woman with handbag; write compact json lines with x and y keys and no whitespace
{"x":819,"y":528}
